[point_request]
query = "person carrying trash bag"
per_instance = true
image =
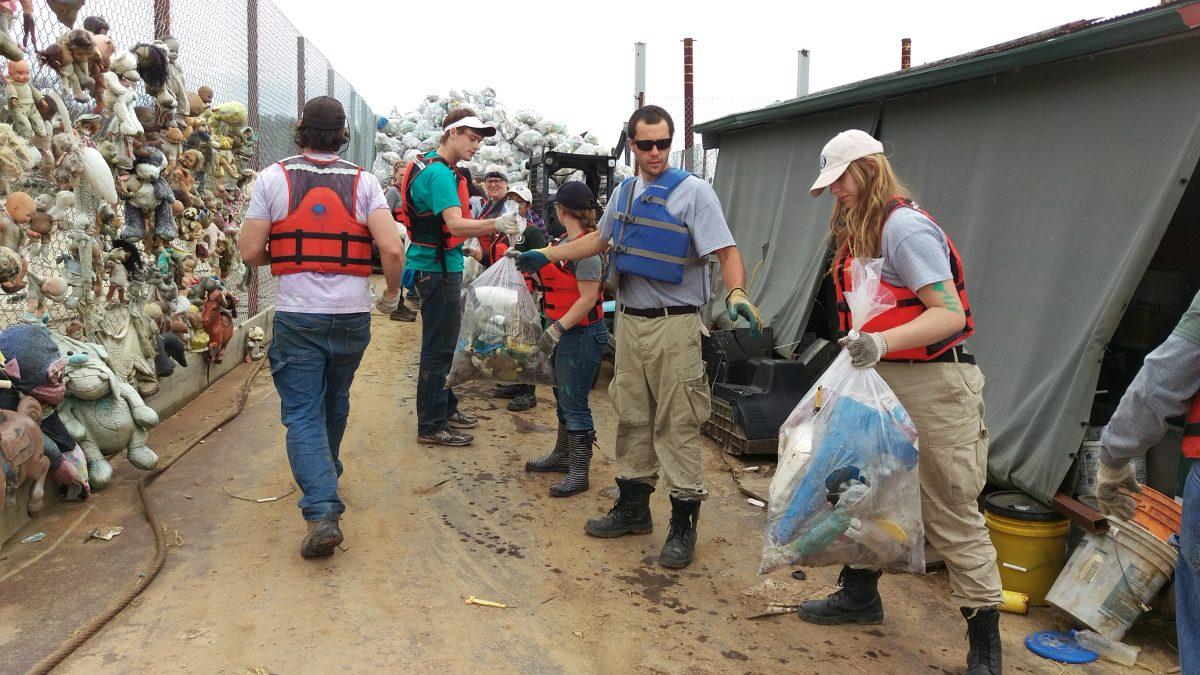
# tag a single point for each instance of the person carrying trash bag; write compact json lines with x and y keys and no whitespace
{"x":437,"y":204}
{"x":1167,"y":386}
{"x":660,"y":225}
{"x":919,"y":349}
{"x":573,"y":306}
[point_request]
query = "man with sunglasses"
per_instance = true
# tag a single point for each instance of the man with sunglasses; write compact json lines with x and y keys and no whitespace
{"x":658,"y":228}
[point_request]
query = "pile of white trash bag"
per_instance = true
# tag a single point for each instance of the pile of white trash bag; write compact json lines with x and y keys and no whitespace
{"x":519,"y":136}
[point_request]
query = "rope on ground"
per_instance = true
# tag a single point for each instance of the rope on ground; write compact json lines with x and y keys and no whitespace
{"x":162,"y":543}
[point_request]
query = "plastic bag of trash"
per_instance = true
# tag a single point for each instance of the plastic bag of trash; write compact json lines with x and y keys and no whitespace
{"x":500,"y":331}
{"x":846,"y":490}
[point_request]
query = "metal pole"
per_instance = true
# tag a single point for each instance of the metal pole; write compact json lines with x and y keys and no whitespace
{"x":802,"y":73}
{"x":329,"y":80}
{"x":905,"y":53}
{"x":299,"y":75}
{"x":639,"y":73}
{"x":689,"y":103}
{"x":641,"y":102}
{"x":162,"y":17}
{"x":253,"y":122}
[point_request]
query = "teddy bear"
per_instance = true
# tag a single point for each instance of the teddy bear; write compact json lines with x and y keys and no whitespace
{"x":152,"y":197}
{"x":118,"y":277}
{"x":24,"y":101}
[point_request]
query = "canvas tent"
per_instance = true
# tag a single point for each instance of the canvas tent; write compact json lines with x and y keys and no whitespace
{"x":1056,"y":163}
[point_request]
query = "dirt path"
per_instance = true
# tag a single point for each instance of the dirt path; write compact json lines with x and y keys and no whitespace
{"x":426,"y":528}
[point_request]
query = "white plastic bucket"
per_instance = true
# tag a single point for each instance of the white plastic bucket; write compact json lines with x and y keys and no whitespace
{"x":1110,"y":579}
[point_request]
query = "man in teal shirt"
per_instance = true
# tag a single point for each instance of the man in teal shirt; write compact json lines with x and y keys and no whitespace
{"x":433,"y":197}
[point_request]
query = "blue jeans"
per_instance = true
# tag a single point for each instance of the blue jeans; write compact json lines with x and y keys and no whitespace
{"x":313,"y":358}
{"x":576,"y":360}
{"x":408,"y":281}
{"x":1187,"y":576}
{"x":441,"y":317}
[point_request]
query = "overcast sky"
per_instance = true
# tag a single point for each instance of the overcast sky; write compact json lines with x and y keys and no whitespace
{"x":576,"y":67}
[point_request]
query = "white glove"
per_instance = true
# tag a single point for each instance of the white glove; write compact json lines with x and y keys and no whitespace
{"x":387,"y":305}
{"x":865,"y":349}
{"x":508,"y":224}
{"x":1112,"y":500}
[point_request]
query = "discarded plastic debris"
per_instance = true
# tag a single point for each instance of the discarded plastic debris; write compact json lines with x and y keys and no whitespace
{"x":757,"y":502}
{"x":472,"y":600}
{"x":1058,"y":646}
{"x":106,"y":533}
{"x":775,"y":610}
{"x":799,"y":575}
{"x":261,"y":500}
{"x":1015,"y":602}
{"x":1113,"y":650}
{"x":34,"y":538}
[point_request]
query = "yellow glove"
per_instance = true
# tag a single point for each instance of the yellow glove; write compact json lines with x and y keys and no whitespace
{"x":738,"y":304}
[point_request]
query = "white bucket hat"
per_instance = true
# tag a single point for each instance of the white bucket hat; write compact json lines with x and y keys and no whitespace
{"x":838,"y":153}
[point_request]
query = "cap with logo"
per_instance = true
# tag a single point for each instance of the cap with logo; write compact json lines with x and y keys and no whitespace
{"x":522,"y":192}
{"x":839,"y":153}
{"x":323,"y":112}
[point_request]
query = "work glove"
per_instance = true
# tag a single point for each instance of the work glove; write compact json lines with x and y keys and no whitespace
{"x":737,"y":303}
{"x":530,"y":262}
{"x":387,"y":305}
{"x":508,"y":224}
{"x":550,"y":337}
{"x":1113,"y":502}
{"x":865,"y":349}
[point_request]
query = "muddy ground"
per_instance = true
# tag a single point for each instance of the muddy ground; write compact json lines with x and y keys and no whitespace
{"x":425,"y":528}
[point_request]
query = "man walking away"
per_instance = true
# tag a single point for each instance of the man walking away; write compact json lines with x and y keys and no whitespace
{"x":437,"y":202}
{"x":313,"y":218}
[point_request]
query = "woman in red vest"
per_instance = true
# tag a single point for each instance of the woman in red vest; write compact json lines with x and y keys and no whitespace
{"x":573,"y":307}
{"x":919,"y":349}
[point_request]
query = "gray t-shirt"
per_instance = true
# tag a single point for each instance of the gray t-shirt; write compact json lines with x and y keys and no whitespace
{"x":915,"y":252}
{"x":392,"y":197}
{"x":587,"y":269}
{"x":695,"y":203}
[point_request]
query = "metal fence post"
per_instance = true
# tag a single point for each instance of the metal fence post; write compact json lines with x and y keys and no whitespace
{"x":162,"y":17}
{"x":299,"y":75}
{"x":329,"y":79}
{"x":253,"y":121}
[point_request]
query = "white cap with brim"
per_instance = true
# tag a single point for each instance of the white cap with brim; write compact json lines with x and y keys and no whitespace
{"x":839,"y":153}
{"x":485,"y":129}
{"x":522,"y":192}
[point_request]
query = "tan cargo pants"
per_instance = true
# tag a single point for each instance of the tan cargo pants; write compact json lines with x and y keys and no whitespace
{"x":945,"y":401}
{"x":660,"y":393}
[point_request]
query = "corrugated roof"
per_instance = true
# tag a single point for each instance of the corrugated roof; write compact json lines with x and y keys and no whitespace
{"x":1069,"y":40}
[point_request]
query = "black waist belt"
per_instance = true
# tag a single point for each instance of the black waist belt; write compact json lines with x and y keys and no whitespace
{"x":953,"y":355}
{"x":652,"y":312}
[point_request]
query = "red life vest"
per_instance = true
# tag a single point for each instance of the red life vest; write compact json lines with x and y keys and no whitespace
{"x":429,"y":229}
{"x":560,"y":290}
{"x":908,"y":305}
{"x":320,"y":232}
{"x":1191,"y":430}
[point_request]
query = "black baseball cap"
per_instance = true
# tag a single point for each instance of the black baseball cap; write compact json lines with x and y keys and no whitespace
{"x":575,"y":195}
{"x":323,"y":112}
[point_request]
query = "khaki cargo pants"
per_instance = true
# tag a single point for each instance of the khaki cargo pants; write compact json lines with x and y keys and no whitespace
{"x":945,"y":401}
{"x":660,"y":393}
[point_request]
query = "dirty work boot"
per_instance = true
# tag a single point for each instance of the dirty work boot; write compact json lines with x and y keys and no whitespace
{"x":508,"y":391}
{"x":983,"y":633}
{"x":858,"y":600}
{"x":556,"y":461}
{"x":681,"y":538}
{"x":580,"y":444}
{"x":524,"y":401}
{"x":323,"y":537}
{"x":403,"y":313}
{"x":629,"y":515}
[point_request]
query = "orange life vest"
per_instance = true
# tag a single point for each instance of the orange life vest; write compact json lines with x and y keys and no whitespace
{"x":428,"y":228}
{"x":320,"y":232}
{"x":1191,"y":430}
{"x":908,"y":305}
{"x":560,"y":290}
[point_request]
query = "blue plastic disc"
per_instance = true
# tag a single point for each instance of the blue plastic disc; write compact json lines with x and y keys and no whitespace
{"x":1058,"y":646}
{"x":318,"y":209}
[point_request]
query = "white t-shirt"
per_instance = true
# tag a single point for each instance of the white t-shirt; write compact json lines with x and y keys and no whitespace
{"x":316,"y":292}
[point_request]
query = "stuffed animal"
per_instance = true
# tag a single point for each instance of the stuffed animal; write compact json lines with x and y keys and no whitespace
{"x":152,"y":65}
{"x":220,"y":309}
{"x":153,"y":197}
{"x":24,"y":101}
{"x":63,"y":211}
{"x":118,"y":98}
{"x":13,"y":269}
{"x":33,"y":362}
{"x":118,"y":278}
{"x":22,"y":454}
{"x":16,"y":157}
{"x":104,"y":414}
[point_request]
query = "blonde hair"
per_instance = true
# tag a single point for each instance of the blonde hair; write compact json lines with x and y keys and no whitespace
{"x":586,"y":217}
{"x":860,"y":227}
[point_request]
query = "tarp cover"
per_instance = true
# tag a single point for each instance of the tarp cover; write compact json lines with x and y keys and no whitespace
{"x":1056,"y":184}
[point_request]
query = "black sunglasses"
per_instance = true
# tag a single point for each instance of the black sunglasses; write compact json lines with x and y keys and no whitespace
{"x":661,"y":144}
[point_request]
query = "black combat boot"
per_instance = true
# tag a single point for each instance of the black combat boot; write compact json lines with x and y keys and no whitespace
{"x":983,"y":633}
{"x":629,"y":515}
{"x":323,"y":537}
{"x":576,"y":481}
{"x":681,"y":538}
{"x":557,"y":459}
{"x":858,"y":600}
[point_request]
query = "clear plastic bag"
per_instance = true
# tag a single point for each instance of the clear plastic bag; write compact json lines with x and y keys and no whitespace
{"x":847,"y":488}
{"x":500,"y":331}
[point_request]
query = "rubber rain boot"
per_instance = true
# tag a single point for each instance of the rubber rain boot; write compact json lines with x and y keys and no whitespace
{"x":680,"y":546}
{"x":556,"y":461}
{"x":983,"y":634}
{"x":629,"y":515}
{"x":576,"y":481}
{"x":857,"y":601}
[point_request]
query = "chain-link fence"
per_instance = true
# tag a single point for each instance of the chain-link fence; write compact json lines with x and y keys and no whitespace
{"x":696,"y":160}
{"x":246,"y":51}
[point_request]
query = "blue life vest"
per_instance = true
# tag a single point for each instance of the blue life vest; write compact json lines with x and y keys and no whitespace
{"x":649,"y":241}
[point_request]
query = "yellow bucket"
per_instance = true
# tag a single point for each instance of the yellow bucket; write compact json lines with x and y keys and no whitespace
{"x":1030,"y":541}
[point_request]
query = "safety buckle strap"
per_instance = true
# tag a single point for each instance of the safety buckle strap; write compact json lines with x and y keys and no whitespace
{"x":321,"y":258}
{"x":1191,"y":429}
{"x":655,"y":255}
{"x":303,"y":234}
